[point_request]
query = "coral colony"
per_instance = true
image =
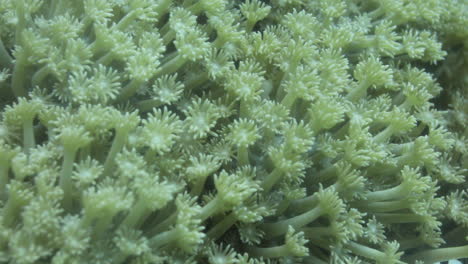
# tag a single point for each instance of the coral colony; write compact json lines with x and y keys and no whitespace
{"x":222,"y":131}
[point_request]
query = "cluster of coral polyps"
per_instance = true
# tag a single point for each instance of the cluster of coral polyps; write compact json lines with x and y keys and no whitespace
{"x":217,"y":131}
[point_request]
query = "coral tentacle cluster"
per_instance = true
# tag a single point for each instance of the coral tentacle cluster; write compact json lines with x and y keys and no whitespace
{"x":222,"y":131}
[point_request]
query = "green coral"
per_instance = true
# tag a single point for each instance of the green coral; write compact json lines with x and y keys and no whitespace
{"x":218,"y":131}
